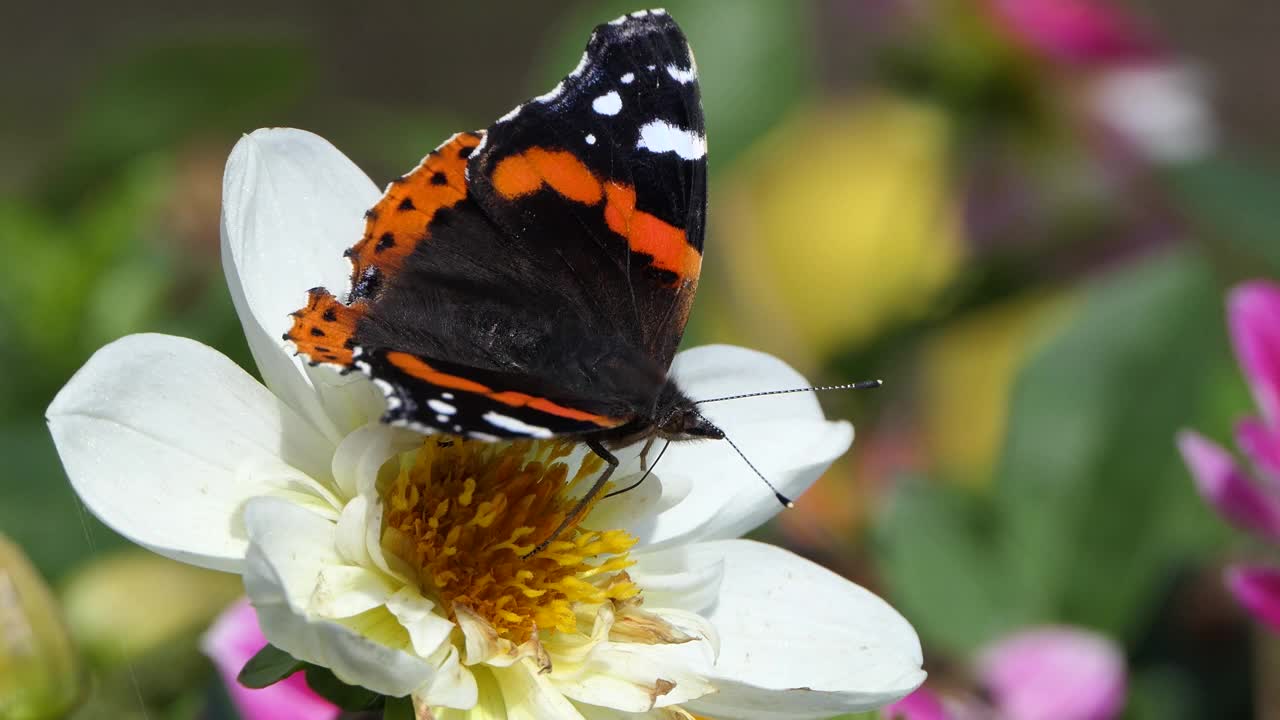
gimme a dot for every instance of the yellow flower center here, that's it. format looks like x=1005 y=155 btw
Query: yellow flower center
x=463 y=514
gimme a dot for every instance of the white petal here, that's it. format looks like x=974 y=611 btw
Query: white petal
x=593 y=712
x=799 y=641
x=671 y=578
x=531 y=695
x=487 y=704
x=455 y=686
x=164 y=439
x=289 y=547
x=665 y=509
x=631 y=677
x=427 y=629
x=364 y=451
x=291 y=203
x=785 y=436
x=343 y=591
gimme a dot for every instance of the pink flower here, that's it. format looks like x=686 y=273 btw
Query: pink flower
x=233 y=639
x=1054 y=673
x=1250 y=501
x=1075 y=32
x=919 y=705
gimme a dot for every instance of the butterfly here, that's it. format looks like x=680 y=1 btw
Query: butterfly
x=534 y=279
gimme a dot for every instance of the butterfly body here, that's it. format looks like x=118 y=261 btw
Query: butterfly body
x=533 y=279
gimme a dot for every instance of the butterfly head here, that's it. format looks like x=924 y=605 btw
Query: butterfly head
x=678 y=418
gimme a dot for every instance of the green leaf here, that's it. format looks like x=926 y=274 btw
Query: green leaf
x=398 y=709
x=937 y=560
x=1233 y=203
x=1098 y=508
x=268 y=667
x=348 y=697
x=1091 y=510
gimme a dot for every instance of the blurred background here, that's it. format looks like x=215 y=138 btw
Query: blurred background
x=1021 y=214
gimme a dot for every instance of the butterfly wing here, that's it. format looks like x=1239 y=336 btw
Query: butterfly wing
x=615 y=157
x=538 y=274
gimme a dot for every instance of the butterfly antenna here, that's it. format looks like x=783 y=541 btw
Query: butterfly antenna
x=783 y=499
x=860 y=385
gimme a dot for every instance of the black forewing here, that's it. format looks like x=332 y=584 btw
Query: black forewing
x=637 y=80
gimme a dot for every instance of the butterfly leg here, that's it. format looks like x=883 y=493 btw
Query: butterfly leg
x=573 y=517
x=644 y=453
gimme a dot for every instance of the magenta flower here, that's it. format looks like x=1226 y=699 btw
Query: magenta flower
x=1075 y=32
x=1250 y=501
x=1054 y=673
x=919 y=705
x=233 y=639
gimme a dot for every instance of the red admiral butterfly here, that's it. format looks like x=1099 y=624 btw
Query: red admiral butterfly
x=534 y=279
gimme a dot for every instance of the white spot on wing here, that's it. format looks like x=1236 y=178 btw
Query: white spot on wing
x=483 y=437
x=639 y=13
x=609 y=103
x=660 y=137
x=447 y=396
x=591 y=139
x=441 y=407
x=516 y=425
x=684 y=76
x=628 y=78
x=658 y=11
x=442 y=418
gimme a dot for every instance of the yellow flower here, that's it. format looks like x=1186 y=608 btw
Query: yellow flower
x=839 y=224
x=967 y=374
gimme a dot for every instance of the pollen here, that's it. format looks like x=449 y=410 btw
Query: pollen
x=463 y=514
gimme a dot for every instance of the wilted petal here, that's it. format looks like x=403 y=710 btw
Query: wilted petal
x=1223 y=484
x=786 y=436
x=291 y=203
x=1055 y=674
x=230 y=643
x=919 y=705
x=799 y=641
x=1258 y=590
x=1253 y=313
x=164 y=439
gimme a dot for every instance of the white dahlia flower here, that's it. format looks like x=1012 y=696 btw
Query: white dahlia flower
x=394 y=559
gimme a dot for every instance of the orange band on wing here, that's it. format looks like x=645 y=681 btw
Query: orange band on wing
x=415 y=367
x=525 y=173
x=418 y=368
x=518 y=399
x=649 y=234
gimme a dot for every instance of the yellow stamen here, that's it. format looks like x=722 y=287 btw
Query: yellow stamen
x=463 y=513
